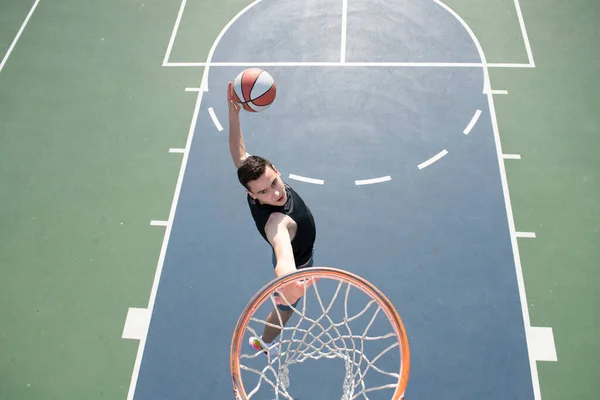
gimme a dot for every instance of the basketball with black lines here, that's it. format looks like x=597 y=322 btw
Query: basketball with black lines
x=254 y=89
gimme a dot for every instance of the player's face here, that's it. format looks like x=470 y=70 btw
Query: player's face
x=268 y=189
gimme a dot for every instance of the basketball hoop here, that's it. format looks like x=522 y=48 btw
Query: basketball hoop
x=325 y=330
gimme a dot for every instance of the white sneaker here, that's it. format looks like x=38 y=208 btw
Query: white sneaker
x=271 y=352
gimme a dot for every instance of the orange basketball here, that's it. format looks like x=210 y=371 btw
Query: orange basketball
x=255 y=89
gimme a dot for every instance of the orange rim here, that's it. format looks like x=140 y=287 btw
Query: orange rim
x=319 y=272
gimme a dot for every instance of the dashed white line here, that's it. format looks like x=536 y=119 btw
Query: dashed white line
x=472 y=123
x=307 y=180
x=158 y=223
x=214 y=118
x=529 y=235
x=433 y=159
x=373 y=181
x=511 y=156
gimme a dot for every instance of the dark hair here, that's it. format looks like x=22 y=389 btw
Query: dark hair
x=251 y=169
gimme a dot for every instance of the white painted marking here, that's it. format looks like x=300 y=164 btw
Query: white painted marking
x=16 y=39
x=174 y=33
x=296 y=64
x=537 y=394
x=499 y=91
x=373 y=181
x=159 y=223
x=176 y=150
x=193 y=89
x=136 y=324
x=165 y=243
x=344 y=29
x=214 y=118
x=433 y=159
x=472 y=123
x=524 y=32
x=511 y=156
x=540 y=341
x=307 y=180
x=529 y=235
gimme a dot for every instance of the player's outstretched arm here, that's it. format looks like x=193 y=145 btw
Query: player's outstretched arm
x=279 y=237
x=237 y=147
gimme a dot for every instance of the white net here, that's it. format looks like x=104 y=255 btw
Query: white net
x=335 y=321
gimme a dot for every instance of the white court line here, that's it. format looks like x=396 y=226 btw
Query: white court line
x=193 y=89
x=474 y=120
x=307 y=180
x=174 y=33
x=158 y=223
x=499 y=91
x=326 y=64
x=163 y=250
x=524 y=32
x=344 y=30
x=529 y=235
x=214 y=118
x=298 y=64
x=373 y=181
x=172 y=150
x=433 y=159
x=511 y=156
x=537 y=393
x=14 y=42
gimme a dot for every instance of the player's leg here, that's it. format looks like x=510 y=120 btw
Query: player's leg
x=270 y=333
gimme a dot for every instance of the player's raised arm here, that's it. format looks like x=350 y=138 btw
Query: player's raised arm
x=236 y=139
x=279 y=237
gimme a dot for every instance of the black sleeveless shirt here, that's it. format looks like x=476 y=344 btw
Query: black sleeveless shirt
x=294 y=207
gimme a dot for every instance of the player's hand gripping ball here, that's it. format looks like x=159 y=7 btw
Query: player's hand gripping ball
x=254 y=89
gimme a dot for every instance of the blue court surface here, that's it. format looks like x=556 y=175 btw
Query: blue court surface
x=432 y=234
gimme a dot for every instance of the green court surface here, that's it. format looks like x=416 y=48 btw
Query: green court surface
x=88 y=114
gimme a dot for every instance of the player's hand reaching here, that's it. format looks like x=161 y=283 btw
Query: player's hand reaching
x=234 y=107
x=294 y=290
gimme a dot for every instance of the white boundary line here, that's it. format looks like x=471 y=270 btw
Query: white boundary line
x=373 y=181
x=173 y=150
x=433 y=159
x=511 y=156
x=472 y=123
x=392 y=64
x=307 y=180
x=509 y=213
x=499 y=91
x=16 y=39
x=524 y=32
x=537 y=394
x=214 y=118
x=163 y=249
x=344 y=30
x=165 y=243
x=174 y=33
x=193 y=89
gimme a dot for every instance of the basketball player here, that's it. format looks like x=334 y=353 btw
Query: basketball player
x=281 y=217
